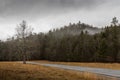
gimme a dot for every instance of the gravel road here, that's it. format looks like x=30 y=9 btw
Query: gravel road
x=101 y=71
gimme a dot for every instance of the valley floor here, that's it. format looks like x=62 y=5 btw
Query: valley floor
x=19 y=71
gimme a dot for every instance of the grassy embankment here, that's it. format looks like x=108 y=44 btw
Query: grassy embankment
x=19 y=71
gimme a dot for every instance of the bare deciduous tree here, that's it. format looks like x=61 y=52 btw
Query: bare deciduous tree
x=23 y=31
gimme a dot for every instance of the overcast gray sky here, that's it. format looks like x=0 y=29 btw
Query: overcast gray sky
x=44 y=15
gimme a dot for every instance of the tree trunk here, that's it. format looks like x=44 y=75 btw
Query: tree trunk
x=24 y=59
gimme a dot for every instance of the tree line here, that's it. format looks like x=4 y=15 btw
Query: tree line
x=69 y=43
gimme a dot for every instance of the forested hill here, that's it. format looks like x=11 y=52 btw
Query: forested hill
x=69 y=43
x=75 y=29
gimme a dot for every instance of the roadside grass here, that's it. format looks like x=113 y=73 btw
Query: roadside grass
x=19 y=71
x=114 y=66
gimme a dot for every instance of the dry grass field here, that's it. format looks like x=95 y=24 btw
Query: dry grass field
x=19 y=71
x=115 y=66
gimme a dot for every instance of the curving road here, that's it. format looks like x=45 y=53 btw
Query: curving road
x=101 y=71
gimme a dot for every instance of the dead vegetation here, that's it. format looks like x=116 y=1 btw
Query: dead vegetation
x=18 y=71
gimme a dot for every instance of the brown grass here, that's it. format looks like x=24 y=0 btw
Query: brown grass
x=115 y=66
x=18 y=71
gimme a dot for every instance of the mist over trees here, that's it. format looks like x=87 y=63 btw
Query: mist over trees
x=78 y=42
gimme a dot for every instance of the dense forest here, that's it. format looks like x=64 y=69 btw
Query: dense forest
x=78 y=42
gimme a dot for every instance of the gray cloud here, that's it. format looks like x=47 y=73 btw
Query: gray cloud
x=15 y=7
x=46 y=14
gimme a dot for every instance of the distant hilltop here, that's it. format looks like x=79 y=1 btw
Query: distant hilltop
x=75 y=29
